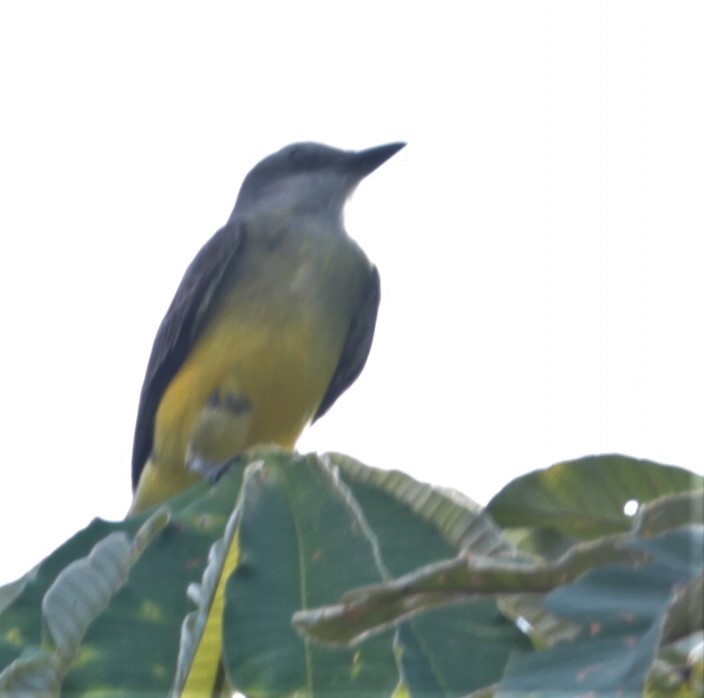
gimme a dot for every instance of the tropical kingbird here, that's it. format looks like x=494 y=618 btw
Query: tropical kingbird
x=272 y=322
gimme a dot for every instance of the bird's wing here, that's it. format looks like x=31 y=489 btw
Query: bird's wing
x=357 y=345
x=180 y=328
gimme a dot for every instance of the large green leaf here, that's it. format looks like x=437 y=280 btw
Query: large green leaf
x=303 y=541
x=131 y=645
x=584 y=498
x=21 y=619
x=72 y=603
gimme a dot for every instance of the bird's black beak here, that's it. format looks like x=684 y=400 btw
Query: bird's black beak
x=366 y=161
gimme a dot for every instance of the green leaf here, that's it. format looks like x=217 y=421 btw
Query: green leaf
x=132 y=644
x=73 y=602
x=303 y=540
x=585 y=498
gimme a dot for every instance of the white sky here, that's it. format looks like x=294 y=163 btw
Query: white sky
x=539 y=240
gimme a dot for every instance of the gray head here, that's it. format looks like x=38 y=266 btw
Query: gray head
x=308 y=178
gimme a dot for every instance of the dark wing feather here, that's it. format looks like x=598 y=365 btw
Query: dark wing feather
x=357 y=345
x=179 y=329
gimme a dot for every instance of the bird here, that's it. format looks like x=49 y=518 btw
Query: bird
x=272 y=321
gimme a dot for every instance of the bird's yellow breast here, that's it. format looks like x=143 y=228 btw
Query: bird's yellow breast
x=282 y=366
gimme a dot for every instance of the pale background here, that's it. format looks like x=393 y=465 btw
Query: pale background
x=538 y=240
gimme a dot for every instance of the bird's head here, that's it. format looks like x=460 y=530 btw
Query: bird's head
x=309 y=178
